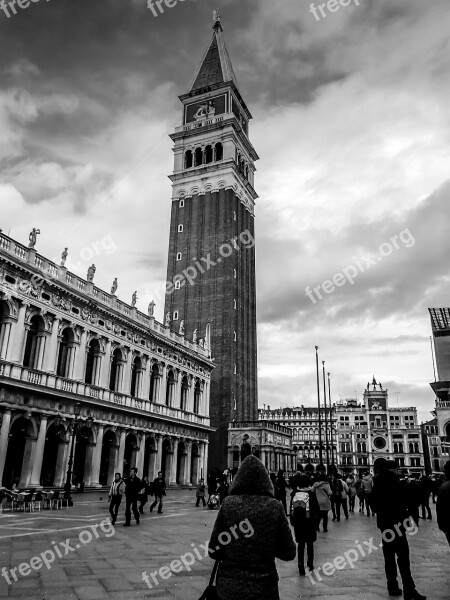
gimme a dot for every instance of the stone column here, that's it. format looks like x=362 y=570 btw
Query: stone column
x=163 y=386
x=176 y=400
x=127 y=374
x=89 y=463
x=5 y=337
x=38 y=454
x=97 y=457
x=27 y=463
x=4 y=433
x=121 y=453
x=61 y=464
x=146 y=380
x=40 y=351
x=141 y=456
x=158 y=462
x=263 y=457
x=18 y=337
x=80 y=363
x=205 y=461
x=173 y=467
x=188 y=463
x=52 y=353
x=106 y=366
x=71 y=354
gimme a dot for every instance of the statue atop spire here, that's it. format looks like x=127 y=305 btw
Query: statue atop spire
x=216 y=18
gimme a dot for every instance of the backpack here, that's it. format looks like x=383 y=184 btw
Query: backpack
x=300 y=502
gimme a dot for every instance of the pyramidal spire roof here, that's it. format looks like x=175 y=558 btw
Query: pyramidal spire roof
x=215 y=66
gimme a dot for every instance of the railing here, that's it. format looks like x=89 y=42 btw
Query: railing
x=56 y=272
x=442 y=403
x=55 y=382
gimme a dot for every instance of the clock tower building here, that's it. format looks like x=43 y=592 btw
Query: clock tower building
x=211 y=292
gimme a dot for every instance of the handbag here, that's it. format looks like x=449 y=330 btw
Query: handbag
x=211 y=591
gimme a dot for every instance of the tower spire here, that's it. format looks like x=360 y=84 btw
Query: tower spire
x=216 y=19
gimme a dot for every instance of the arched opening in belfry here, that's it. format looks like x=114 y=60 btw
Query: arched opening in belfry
x=188 y=159
x=218 y=151
x=208 y=154
x=198 y=157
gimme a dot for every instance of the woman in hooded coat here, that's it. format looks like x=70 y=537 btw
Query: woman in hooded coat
x=258 y=532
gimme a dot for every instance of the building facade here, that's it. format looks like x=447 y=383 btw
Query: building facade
x=440 y=324
x=435 y=455
x=211 y=259
x=142 y=390
x=267 y=440
x=372 y=429
x=304 y=424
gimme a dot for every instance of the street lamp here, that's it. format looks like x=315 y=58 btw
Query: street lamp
x=68 y=485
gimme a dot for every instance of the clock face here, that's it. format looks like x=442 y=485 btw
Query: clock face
x=212 y=106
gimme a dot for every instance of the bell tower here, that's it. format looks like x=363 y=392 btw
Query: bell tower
x=211 y=261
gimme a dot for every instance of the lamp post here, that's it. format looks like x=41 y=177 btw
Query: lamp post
x=327 y=448
x=318 y=408
x=331 y=422
x=68 y=485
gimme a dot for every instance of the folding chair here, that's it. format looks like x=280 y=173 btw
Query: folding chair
x=37 y=499
x=56 y=500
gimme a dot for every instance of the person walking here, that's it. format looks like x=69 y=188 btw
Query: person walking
x=351 y=484
x=304 y=510
x=443 y=504
x=390 y=504
x=336 y=496
x=115 y=496
x=426 y=489
x=247 y=561
x=159 y=490
x=367 y=485
x=360 y=493
x=200 y=493
x=143 y=494
x=323 y=493
x=282 y=485
x=344 y=497
x=133 y=486
x=414 y=498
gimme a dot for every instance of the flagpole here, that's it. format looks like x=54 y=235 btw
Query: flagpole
x=318 y=407
x=327 y=448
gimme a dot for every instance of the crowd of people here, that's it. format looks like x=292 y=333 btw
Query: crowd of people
x=247 y=567
x=136 y=491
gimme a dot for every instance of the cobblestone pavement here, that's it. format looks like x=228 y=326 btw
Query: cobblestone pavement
x=111 y=566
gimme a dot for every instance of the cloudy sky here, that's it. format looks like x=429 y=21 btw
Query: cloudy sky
x=352 y=124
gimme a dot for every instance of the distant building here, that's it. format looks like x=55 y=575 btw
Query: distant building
x=357 y=433
x=267 y=440
x=304 y=423
x=435 y=456
x=371 y=430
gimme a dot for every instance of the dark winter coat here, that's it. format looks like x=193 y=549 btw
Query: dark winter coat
x=247 y=570
x=159 y=487
x=389 y=500
x=133 y=485
x=443 y=507
x=305 y=528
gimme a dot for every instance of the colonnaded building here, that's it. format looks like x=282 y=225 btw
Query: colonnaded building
x=76 y=361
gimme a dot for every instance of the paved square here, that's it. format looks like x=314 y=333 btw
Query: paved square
x=111 y=566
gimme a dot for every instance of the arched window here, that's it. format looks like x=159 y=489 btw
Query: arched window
x=208 y=154
x=33 y=342
x=136 y=370
x=416 y=448
x=65 y=349
x=116 y=364
x=411 y=448
x=92 y=362
x=218 y=151
x=154 y=384
x=246 y=171
x=188 y=158
x=184 y=393
x=170 y=387
x=198 y=157
x=197 y=397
